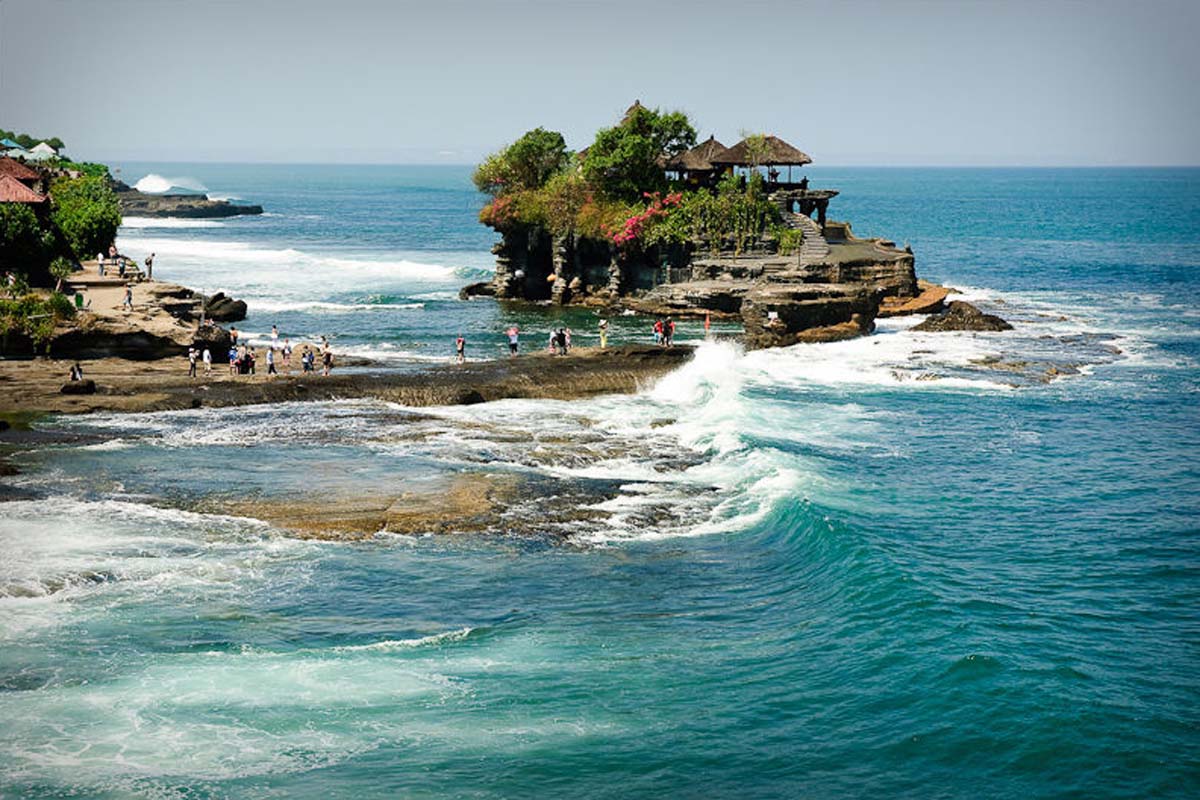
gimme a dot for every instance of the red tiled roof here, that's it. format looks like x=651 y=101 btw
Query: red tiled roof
x=15 y=169
x=13 y=191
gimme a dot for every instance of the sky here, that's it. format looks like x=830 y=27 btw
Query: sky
x=447 y=81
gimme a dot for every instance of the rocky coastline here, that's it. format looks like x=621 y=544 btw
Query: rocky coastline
x=186 y=206
x=35 y=386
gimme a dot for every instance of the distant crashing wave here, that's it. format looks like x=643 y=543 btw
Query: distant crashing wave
x=157 y=184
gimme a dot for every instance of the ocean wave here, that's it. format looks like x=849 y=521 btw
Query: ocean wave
x=168 y=222
x=405 y=644
x=278 y=264
x=153 y=183
x=318 y=305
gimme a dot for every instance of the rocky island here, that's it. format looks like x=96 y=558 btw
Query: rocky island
x=188 y=206
x=647 y=219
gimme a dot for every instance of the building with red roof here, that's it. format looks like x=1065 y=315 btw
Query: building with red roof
x=13 y=191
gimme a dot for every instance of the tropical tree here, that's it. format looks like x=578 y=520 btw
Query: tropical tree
x=626 y=161
x=527 y=163
x=85 y=210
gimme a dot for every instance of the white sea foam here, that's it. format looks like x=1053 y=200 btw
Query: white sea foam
x=334 y=308
x=405 y=644
x=154 y=183
x=168 y=222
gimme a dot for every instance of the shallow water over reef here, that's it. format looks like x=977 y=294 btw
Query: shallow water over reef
x=906 y=565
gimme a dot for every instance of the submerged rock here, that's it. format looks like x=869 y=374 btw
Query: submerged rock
x=961 y=316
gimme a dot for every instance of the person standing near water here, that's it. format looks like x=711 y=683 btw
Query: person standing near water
x=603 y=334
x=207 y=357
x=460 y=348
x=328 y=361
x=150 y=267
x=233 y=333
x=513 y=340
x=274 y=336
x=127 y=303
x=271 y=361
x=191 y=362
x=287 y=354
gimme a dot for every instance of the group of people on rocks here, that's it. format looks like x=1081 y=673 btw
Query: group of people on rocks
x=560 y=338
x=664 y=332
x=243 y=356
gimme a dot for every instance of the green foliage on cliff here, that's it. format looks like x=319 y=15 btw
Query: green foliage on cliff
x=734 y=214
x=618 y=191
x=28 y=314
x=626 y=161
x=24 y=245
x=525 y=164
x=86 y=212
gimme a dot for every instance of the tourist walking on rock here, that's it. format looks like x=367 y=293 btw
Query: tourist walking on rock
x=513 y=340
x=233 y=334
x=287 y=355
x=603 y=334
x=127 y=303
x=566 y=340
x=250 y=358
x=100 y=264
x=207 y=357
x=150 y=267
x=274 y=336
x=76 y=372
x=328 y=361
x=191 y=362
x=658 y=331
x=233 y=361
x=669 y=332
x=271 y=361
x=460 y=348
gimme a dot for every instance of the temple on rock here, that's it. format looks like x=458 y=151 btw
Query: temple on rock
x=792 y=274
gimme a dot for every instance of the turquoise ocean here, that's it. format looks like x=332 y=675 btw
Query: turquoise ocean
x=910 y=565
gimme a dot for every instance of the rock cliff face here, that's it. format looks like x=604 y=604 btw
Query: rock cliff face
x=783 y=313
x=825 y=289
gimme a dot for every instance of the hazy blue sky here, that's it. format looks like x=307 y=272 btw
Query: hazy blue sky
x=361 y=81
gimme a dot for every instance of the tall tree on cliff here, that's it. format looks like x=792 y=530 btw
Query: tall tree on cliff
x=86 y=211
x=626 y=161
x=527 y=163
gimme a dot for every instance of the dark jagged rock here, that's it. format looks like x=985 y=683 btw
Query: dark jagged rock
x=961 y=316
x=86 y=386
x=221 y=308
x=481 y=289
x=782 y=314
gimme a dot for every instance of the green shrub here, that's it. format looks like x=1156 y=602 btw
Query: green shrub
x=625 y=161
x=33 y=316
x=85 y=210
x=22 y=241
x=525 y=164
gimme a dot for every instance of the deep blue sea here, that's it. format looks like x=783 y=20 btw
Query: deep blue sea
x=916 y=565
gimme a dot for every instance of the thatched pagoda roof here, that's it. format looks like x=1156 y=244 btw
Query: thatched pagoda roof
x=778 y=153
x=699 y=158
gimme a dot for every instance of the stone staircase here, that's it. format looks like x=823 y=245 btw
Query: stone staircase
x=814 y=249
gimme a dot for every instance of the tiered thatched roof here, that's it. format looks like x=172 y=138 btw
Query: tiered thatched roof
x=699 y=158
x=777 y=153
